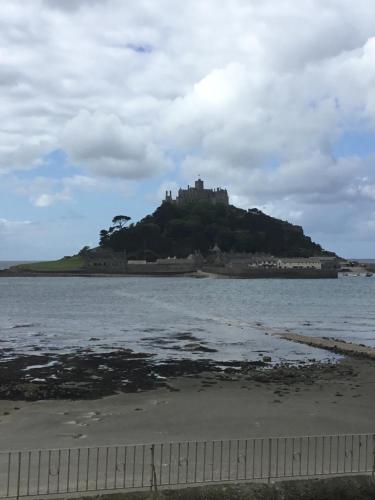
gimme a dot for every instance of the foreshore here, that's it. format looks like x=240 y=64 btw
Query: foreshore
x=194 y=401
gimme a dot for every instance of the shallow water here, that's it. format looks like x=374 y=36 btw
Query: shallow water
x=163 y=315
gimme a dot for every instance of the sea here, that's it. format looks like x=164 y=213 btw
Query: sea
x=237 y=319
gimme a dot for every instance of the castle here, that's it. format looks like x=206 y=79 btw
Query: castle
x=198 y=193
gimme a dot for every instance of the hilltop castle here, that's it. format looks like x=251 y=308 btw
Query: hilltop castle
x=198 y=193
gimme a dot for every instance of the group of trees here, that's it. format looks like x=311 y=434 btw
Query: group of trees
x=180 y=230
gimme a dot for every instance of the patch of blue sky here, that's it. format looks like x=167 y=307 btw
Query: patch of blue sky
x=142 y=48
x=54 y=165
x=355 y=143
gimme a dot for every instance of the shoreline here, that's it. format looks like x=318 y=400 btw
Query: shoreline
x=90 y=374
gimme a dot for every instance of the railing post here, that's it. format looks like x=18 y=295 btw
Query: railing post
x=269 y=459
x=154 y=483
x=373 y=456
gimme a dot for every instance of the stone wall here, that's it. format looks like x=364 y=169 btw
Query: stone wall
x=161 y=269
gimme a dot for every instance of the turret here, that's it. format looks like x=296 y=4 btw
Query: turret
x=168 y=196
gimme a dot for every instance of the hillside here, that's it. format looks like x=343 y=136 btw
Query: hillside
x=174 y=230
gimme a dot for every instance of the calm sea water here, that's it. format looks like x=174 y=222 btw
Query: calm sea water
x=236 y=317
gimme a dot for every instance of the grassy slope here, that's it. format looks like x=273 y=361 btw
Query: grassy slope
x=74 y=263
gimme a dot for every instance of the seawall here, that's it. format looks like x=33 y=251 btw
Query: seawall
x=254 y=273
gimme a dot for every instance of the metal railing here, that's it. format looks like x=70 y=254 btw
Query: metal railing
x=77 y=470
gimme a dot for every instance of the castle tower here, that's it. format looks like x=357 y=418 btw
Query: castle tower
x=168 y=196
x=199 y=184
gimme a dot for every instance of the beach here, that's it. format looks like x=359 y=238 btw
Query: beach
x=336 y=399
x=87 y=362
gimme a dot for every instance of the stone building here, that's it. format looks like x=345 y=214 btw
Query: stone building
x=198 y=193
x=105 y=260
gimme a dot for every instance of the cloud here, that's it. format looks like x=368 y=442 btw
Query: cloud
x=10 y=225
x=106 y=146
x=252 y=95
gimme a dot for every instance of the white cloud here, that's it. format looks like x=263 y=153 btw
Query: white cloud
x=10 y=225
x=252 y=95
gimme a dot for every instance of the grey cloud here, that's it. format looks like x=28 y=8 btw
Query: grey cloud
x=107 y=146
x=71 y=5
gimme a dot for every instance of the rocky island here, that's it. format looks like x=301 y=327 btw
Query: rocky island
x=199 y=233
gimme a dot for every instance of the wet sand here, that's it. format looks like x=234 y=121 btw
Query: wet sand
x=330 y=400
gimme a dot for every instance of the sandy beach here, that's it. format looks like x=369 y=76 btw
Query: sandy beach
x=333 y=399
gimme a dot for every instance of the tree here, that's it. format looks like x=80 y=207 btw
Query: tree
x=104 y=238
x=119 y=222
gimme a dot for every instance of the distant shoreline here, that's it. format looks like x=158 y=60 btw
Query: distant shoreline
x=209 y=273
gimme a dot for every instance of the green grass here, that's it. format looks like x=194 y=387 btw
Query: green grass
x=75 y=263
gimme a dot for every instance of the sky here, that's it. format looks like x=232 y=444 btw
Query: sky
x=105 y=104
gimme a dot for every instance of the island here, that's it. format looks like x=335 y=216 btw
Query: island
x=197 y=233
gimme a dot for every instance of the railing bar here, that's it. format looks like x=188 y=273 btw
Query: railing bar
x=229 y=458
x=143 y=465
x=323 y=454
x=116 y=464
x=300 y=456
x=237 y=457
x=8 y=473
x=170 y=463
x=146 y=444
x=345 y=452
x=58 y=471
x=28 y=473
x=269 y=459
x=68 y=473
x=308 y=456
x=221 y=460
x=285 y=450
x=337 y=454
x=253 y=464
x=19 y=468
x=97 y=468
x=352 y=454
x=330 y=454
x=359 y=453
x=134 y=457
x=187 y=461
x=204 y=460
x=49 y=470
x=161 y=463
x=293 y=452
x=277 y=458
x=87 y=468
x=245 y=462
x=38 y=478
x=315 y=453
x=213 y=460
x=366 y=452
x=78 y=466
x=178 y=463
x=106 y=467
x=124 y=476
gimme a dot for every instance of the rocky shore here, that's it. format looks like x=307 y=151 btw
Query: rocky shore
x=90 y=375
